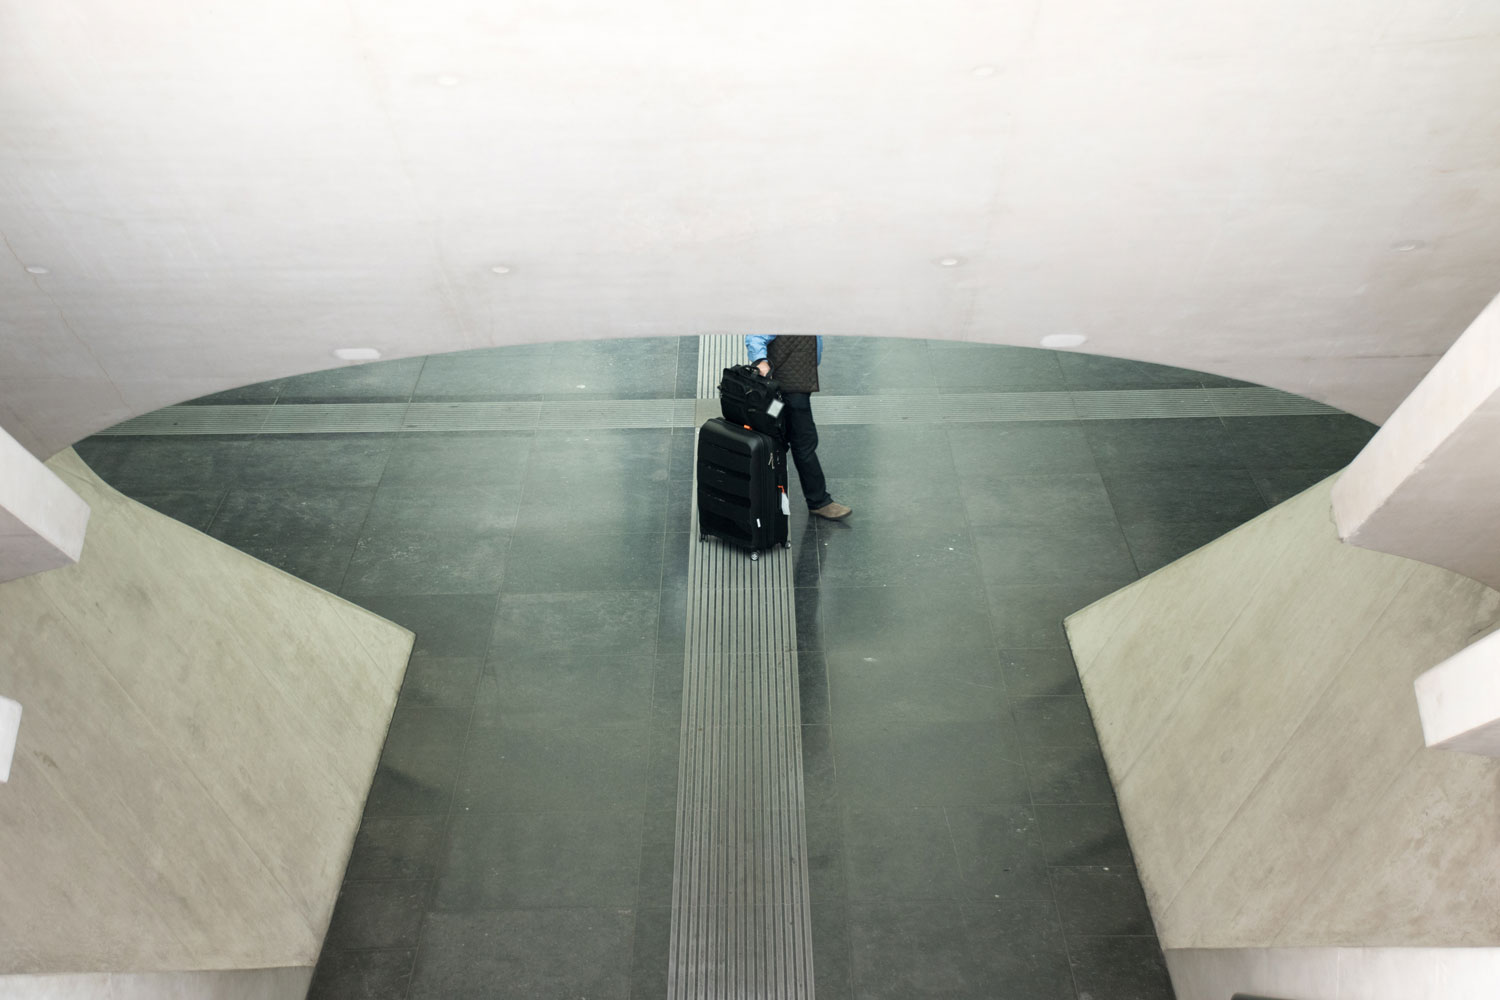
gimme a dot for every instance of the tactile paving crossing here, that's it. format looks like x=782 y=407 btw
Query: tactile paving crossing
x=564 y=414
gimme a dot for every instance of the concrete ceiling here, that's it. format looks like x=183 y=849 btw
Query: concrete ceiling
x=227 y=192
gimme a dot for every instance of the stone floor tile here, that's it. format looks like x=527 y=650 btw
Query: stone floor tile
x=1101 y=901
x=1121 y=968
x=525 y=954
x=362 y=975
x=378 y=915
x=1083 y=835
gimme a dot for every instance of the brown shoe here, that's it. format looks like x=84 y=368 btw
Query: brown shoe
x=833 y=511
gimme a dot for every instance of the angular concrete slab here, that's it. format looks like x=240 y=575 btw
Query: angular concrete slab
x=1460 y=700
x=42 y=522
x=200 y=734
x=1254 y=703
x=1426 y=486
x=10 y=731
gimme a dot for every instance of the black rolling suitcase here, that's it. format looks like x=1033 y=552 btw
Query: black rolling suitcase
x=742 y=487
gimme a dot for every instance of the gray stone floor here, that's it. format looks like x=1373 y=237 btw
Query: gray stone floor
x=517 y=840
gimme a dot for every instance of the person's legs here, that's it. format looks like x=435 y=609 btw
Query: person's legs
x=802 y=441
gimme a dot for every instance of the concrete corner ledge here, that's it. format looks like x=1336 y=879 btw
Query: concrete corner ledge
x=42 y=522
x=1459 y=700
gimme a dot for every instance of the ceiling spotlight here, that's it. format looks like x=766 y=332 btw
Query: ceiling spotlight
x=1063 y=340
x=950 y=262
x=984 y=71
x=448 y=80
x=33 y=269
x=500 y=269
x=356 y=354
x=1407 y=246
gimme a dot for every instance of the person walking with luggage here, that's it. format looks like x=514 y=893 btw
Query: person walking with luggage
x=795 y=361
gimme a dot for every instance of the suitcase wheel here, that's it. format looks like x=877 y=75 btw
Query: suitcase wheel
x=786 y=545
x=755 y=557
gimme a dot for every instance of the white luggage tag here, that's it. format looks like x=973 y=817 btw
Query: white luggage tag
x=773 y=408
x=786 y=505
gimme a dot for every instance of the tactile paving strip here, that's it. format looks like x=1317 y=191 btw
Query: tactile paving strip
x=741 y=919
x=717 y=352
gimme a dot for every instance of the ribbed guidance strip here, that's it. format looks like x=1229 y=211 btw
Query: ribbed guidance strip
x=741 y=916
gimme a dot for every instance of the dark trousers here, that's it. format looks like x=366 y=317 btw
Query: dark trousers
x=802 y=441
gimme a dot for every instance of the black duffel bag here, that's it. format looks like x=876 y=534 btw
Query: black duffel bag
x=753 y=400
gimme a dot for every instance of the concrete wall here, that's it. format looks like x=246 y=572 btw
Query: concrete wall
x=1336 y=973
x=249 y=984
x=197 y=195
x=200 y=731
x=1254 y=702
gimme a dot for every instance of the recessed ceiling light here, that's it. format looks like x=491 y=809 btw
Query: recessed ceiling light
x=984 y=71
x=1407 y=246
x=448 y=80
x=950 y=261
x=500 y=269
x=33 y=269
x=1063 y=340
x=356 y=354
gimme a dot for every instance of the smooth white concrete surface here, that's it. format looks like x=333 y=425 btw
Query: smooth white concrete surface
x=10 y=730
x=201 y=731
x=1336 y=973
x=250 y=984
x=42 y=522
x=1254 y=703
x=1426 y=485
x=1459 y=700
x=220 y=194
